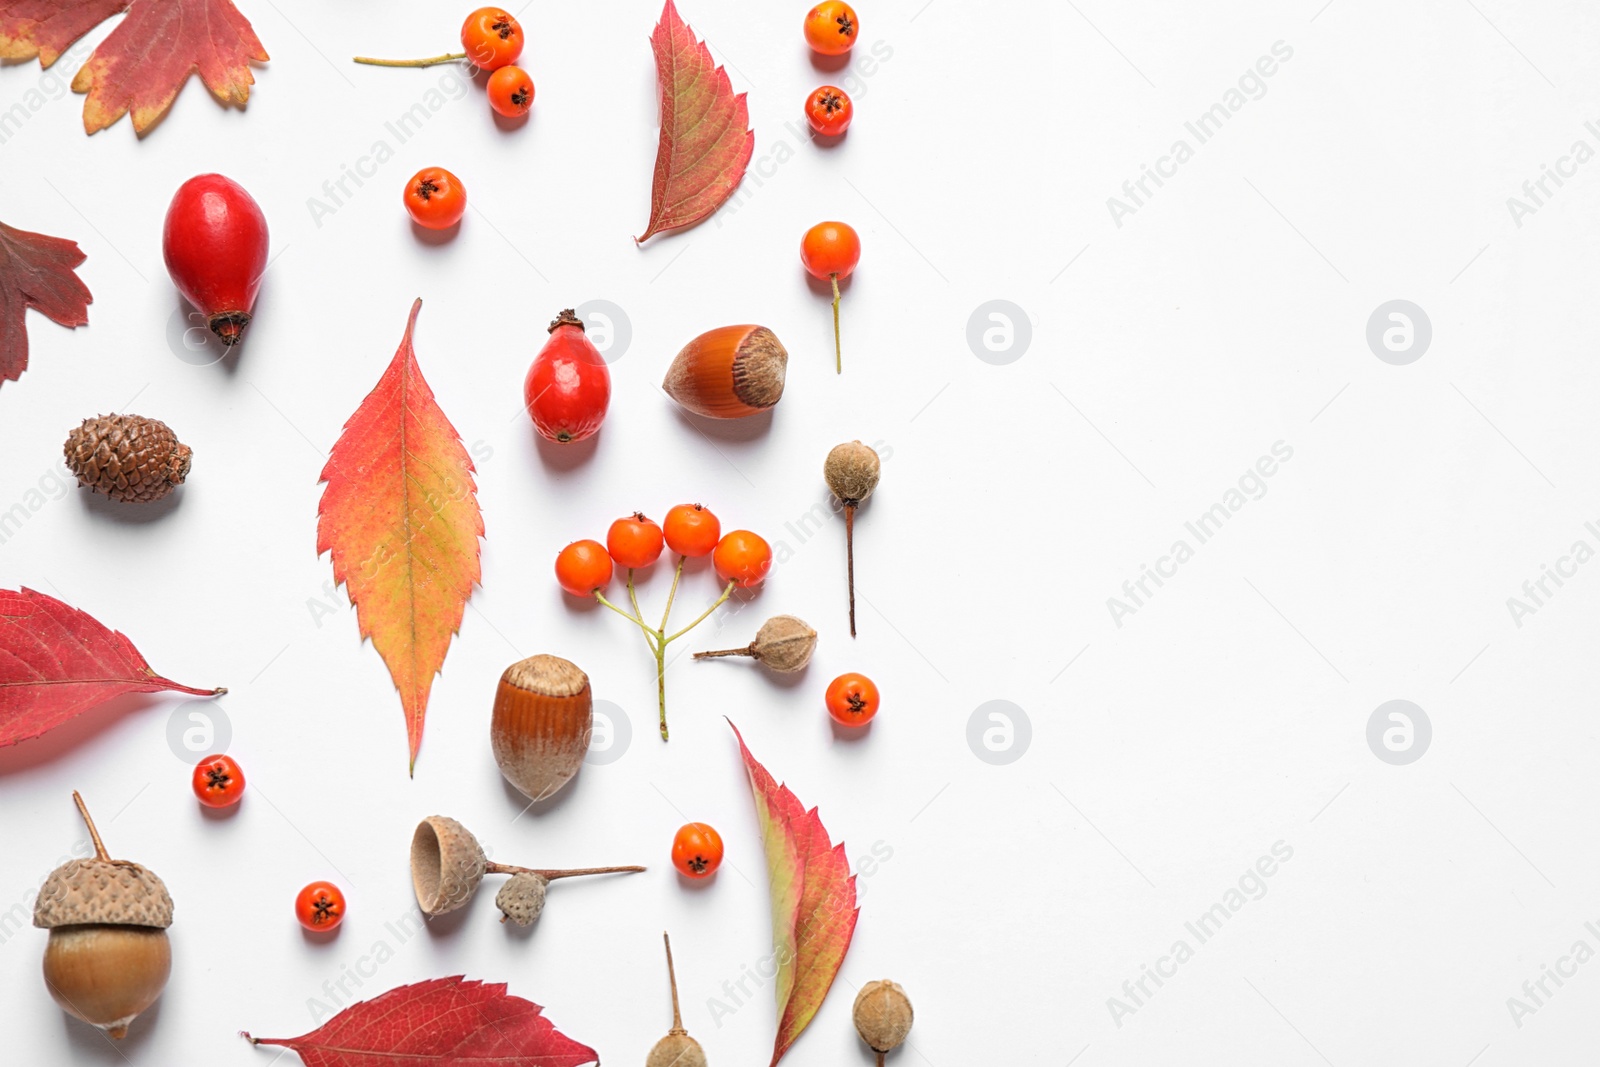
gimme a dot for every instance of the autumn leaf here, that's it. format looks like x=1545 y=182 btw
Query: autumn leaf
x=813 y=900
x=56 y=662
x=400 y=517
x=446 y=1021
x=706 y=141
x=36 y=272
x=146 y=59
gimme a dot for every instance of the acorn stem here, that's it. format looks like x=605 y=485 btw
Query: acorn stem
x=505 y=868
x=748 y=650
x=850 y=558
x=838 y=353
x=94 y=834
x=672 y=980
x=448 y=57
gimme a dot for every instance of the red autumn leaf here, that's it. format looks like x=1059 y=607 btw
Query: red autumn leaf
x=56 y=662
x=400 y=517
x=446 y=1021
x=36 y=272
x=146 y=59
x=706 y=141
x=814 y=908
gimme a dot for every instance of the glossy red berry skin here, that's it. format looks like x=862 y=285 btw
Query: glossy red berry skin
x=829 y=111
x=568 y=388
x=319 y=906
x=215 y=244
x=218 y=782
x=697 y=850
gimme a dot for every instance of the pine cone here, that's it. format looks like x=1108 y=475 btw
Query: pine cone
x=127 y=457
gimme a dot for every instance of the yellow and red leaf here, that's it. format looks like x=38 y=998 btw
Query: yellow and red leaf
x=400 y=518
x=814 y=908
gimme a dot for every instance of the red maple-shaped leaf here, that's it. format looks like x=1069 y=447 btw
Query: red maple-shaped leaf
x=814 y=908
x=56 y=662
x=144 y=62
x=706 y=141
x=400 y=518
x=36 y=272
x=449 y=1022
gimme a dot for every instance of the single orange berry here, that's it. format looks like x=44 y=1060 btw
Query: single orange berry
x=852 y=699
x=697 y=850
x=742 y=558
x=829 y=111
x=831 y=28
x=436 y=198
x=582 y=567
x=634 y=541
x=491 y=38
x=510 y=92
x=218 y=782
x=319 y=906
x=830 y=251
x=692 y=530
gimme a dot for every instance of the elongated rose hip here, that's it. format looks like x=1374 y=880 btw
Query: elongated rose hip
x=215 y=244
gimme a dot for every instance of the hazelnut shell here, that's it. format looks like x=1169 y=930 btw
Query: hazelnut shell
x=729 y=372
x=543 y=715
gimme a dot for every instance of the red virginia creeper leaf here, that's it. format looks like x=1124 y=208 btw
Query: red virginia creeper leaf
x=813 y=900
x=449 y=1022
x=46 y=28
x=36 y=272
x=706 y=141
x=146 y=59
x=56 y=662
x=400 y=516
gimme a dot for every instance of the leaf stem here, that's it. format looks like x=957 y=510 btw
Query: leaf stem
x=431 y=61
x=726 y=593
x=838 y=352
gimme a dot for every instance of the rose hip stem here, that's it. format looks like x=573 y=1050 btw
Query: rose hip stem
x=658 y=639
x=431 y=61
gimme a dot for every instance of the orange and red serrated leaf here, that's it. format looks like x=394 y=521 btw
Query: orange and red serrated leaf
x=814 y=908
x=36 y=272
x=57 y=662
x=144 y=62
x=400 y=518
x=444 y=1021
x=706 y=140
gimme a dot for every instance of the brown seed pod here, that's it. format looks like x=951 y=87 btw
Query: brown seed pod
x=882 y=1016
x=677 y=1049
x=108 y=958
x=729 y=372
x=521 y=899
x=447 y=864
x=127 y=457
x=851 y=471
x=543 y=714
x=784 y=643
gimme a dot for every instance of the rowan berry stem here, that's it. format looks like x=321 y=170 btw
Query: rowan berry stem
x=431 y=61
x=721 y=600
x=672 y=593
x=601 y=597
x=838 y=352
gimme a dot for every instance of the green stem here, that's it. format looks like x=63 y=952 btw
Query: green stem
x=672 y=594
x=448 y=57
x=838 y=352
x=660 y=649
x=723 y=599
x=601 y=597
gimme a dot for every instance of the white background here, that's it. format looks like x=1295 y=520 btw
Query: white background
x=1167 y=355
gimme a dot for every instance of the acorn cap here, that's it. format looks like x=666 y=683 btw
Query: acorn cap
x=851 y=471
x=882 y=1015
x=110 y=892
x=521 y=899
x=447 y=863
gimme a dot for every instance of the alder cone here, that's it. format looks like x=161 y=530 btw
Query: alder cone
x=127 y=457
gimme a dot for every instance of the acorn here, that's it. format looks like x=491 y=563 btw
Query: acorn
x=447 y=865
x=543 y=717
x=108 y=957
x=729 y=372
x=677 y=1049
x=882 y=1016
x=127 y=457
x=851 y=471
x=784 y=643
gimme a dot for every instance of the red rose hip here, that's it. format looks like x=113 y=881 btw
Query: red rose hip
x=215 y=244
x=568 y=388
